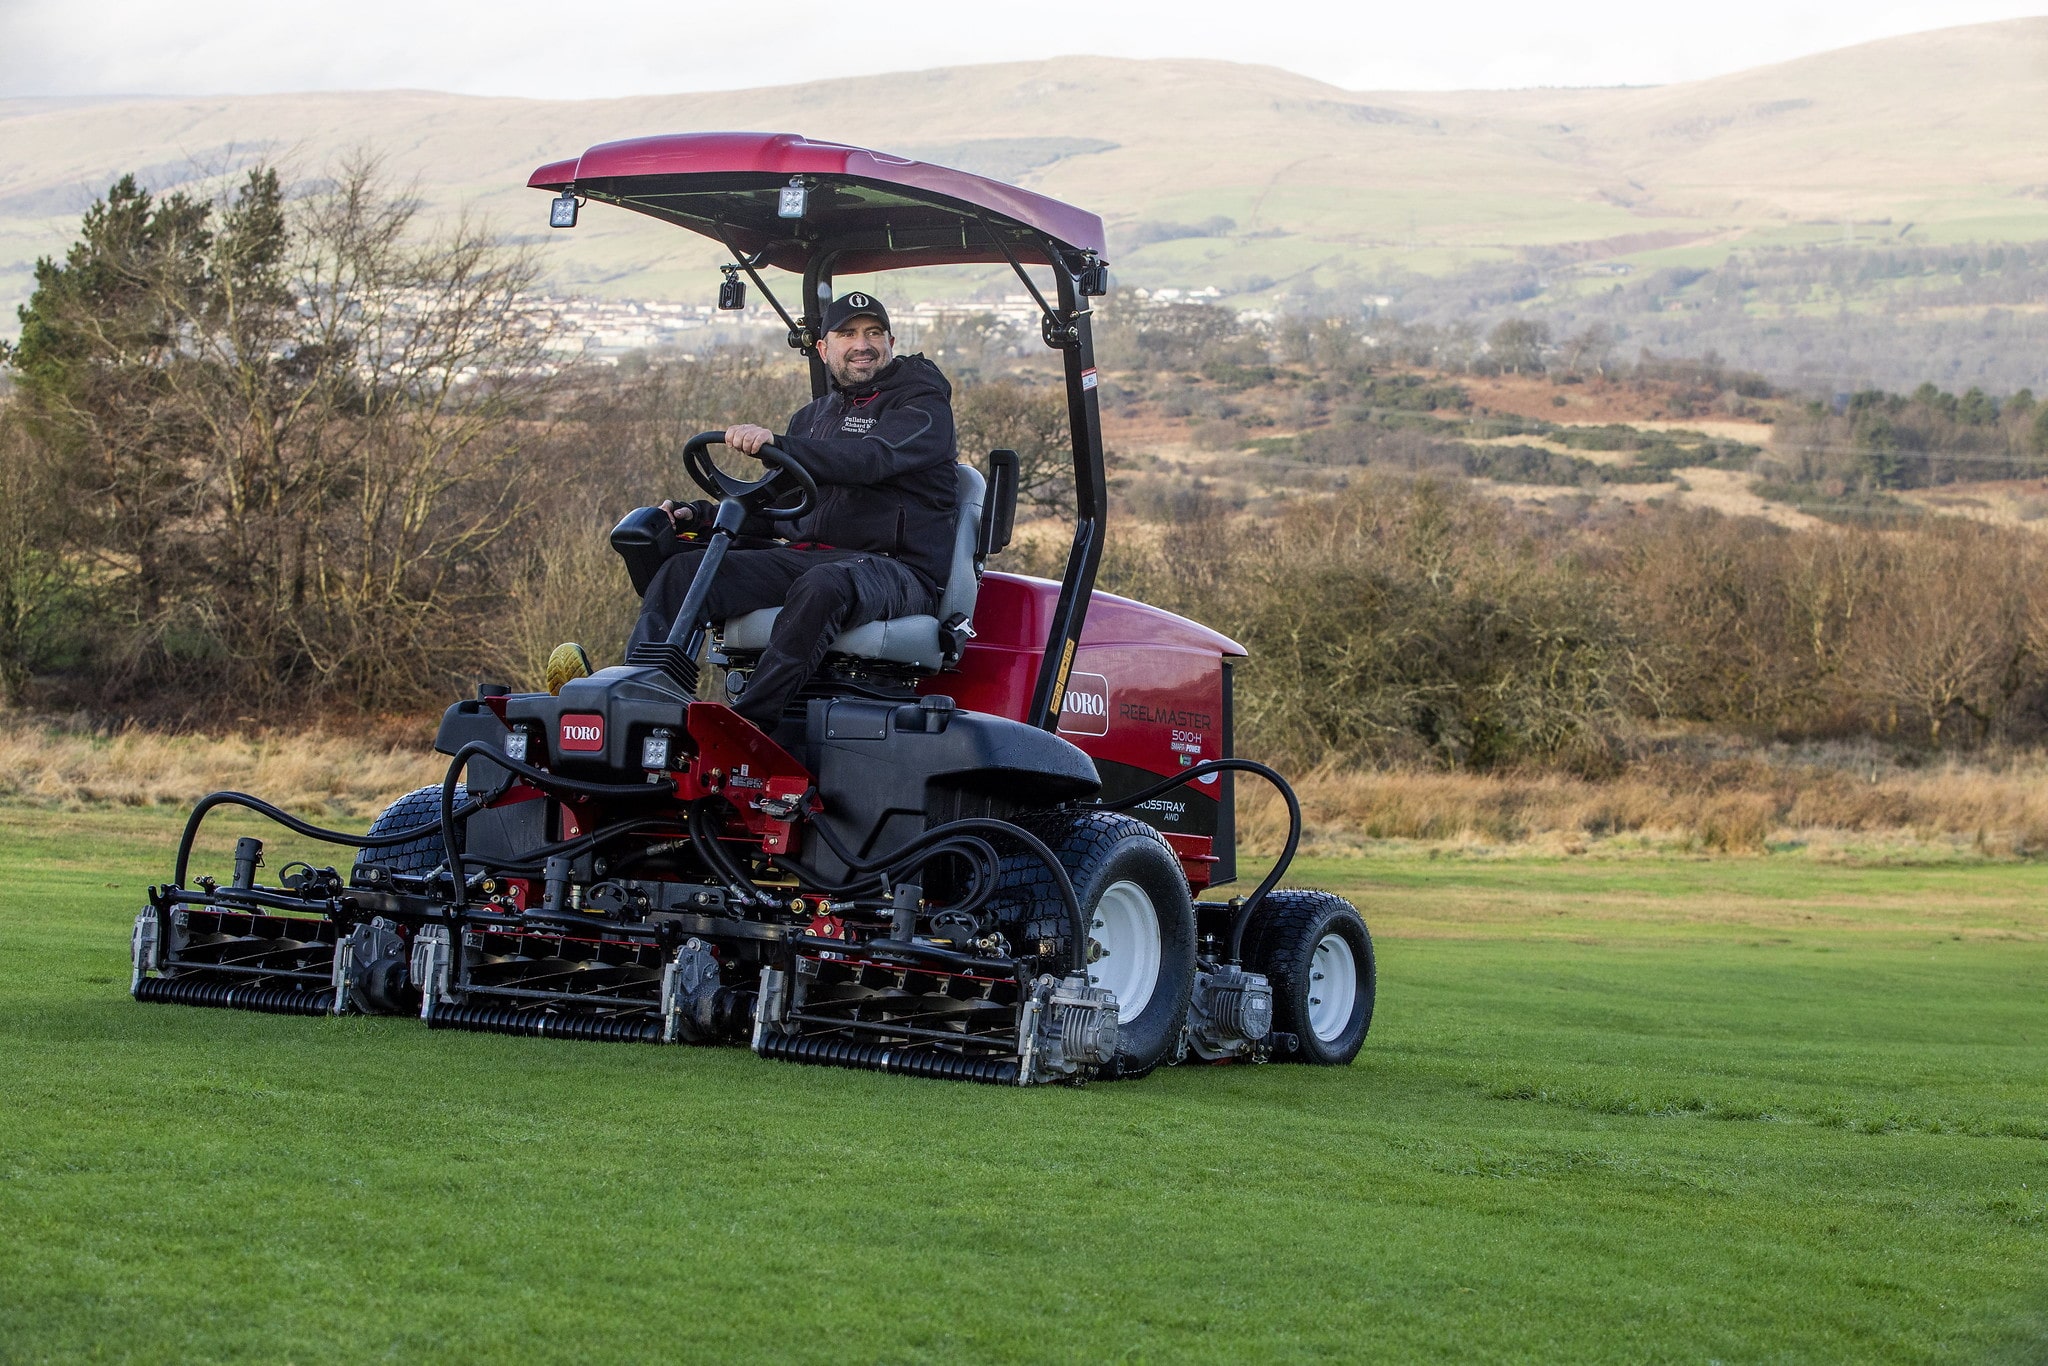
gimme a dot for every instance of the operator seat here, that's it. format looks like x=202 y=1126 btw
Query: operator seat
x=926 y=644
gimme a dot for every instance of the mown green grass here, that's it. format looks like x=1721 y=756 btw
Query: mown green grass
x=1646 y=1109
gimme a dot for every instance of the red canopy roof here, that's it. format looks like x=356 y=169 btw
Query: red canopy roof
x=872 y=210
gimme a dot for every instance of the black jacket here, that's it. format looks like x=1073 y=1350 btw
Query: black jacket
x=883 y=456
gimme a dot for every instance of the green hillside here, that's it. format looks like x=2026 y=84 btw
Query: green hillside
x=1247 y=178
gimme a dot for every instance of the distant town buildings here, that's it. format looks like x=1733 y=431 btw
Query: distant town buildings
x=606 y=330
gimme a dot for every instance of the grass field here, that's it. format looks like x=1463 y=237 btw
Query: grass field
x=1638 y=1109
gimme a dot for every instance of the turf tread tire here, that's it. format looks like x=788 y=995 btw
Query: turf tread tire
x=1280 y=942
x=414 y=857
x=1031 y=913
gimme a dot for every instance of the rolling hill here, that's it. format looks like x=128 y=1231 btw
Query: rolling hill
x=1249 y=178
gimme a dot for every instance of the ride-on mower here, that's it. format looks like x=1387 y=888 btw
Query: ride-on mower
x=971 y=849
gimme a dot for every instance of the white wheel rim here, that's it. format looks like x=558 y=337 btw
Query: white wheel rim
x=1332 y=987
x=1127 y=929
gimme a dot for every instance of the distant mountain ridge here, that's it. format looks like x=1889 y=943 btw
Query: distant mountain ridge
x=1280 y=181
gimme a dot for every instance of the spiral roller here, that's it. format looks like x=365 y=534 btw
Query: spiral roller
x=211 y=991
x=540 y=1024
x=879 y=1057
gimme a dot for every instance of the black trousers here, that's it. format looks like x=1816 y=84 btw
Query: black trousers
x=820 y=592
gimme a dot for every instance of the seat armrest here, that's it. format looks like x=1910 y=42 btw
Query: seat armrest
x=999 y=506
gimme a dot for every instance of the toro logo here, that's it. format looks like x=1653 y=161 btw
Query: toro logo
x=582 y=733
x=1085 y=709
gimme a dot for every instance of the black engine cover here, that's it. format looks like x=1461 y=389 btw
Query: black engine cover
x=887 y=770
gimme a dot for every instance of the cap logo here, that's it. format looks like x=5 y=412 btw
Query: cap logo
x=859 y=300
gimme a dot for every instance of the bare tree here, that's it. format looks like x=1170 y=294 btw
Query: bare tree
x=1587 y=349
x=1517 y=344
x=299 y=435
x=39 y=582
x=1030 y=420
x=1948 y=636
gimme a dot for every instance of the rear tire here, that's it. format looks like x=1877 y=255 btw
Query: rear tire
x=1315 y=950
x=419 y=856
x=1135 y=898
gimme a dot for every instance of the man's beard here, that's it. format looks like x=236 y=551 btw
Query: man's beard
x=846 y=374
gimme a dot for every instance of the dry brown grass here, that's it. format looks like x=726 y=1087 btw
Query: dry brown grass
x=1742 y=805
x=332 y=776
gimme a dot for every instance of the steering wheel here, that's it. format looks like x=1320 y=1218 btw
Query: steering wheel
x=757 y=494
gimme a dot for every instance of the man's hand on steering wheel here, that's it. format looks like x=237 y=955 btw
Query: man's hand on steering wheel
x=748 y=439
x=786 y=478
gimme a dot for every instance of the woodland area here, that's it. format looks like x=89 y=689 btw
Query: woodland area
x=285 y=456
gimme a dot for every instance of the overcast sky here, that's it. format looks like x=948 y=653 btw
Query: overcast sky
x=591 y=48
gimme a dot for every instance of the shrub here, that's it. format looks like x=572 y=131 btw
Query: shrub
x=1400 y=617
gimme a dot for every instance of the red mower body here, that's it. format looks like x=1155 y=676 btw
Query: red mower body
x=1149 y=694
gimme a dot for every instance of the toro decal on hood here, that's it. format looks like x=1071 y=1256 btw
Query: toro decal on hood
x=1085 y=709
x=582 y=733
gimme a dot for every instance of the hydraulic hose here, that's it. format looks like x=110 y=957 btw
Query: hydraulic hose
x=983 y=864
x=1251 y=903
x=533 y=861
x=242 y=898
x=923 y=849
x=539 y=777
x=717 y=857
x=943 y=834
x=977 y=853
x=651 y=851
x=297 y=826
x=980 y=857
x=896 y=950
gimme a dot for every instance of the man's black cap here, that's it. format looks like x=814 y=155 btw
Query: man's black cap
x=855 y=305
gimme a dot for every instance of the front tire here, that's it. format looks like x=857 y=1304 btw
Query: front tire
x=1316 y=952
x=1141 y=924
x=414 y=857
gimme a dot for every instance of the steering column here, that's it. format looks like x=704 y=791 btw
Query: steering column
x=738 y=499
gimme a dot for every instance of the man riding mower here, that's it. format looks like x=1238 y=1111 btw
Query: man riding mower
x=877 y=545
x=979 y=842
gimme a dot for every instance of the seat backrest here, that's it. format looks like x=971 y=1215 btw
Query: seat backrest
x=964 y=582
